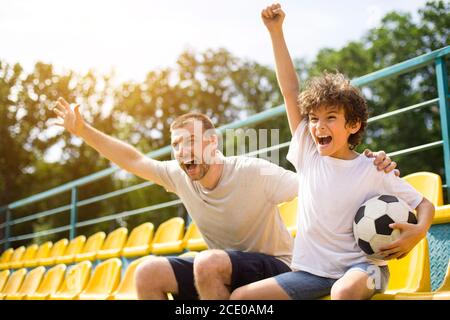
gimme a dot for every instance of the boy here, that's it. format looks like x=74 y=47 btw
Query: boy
x=327 y=121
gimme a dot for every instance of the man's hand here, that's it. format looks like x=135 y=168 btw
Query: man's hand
x=68 y=118
x=273 y=17
x=382 y=161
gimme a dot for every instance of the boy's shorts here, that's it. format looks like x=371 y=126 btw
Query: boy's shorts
x=302 y=285
x=247 y=267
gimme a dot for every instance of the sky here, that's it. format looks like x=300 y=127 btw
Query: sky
x=133 y=37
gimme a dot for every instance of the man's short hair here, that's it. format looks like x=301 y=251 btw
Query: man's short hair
x=335 y=90
x=181 y=121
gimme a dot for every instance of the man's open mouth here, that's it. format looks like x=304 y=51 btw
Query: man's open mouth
x=190 y=165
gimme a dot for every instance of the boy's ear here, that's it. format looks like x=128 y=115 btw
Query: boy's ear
x=354 y=128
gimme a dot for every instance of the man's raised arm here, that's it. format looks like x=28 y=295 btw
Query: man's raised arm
x=119 y=152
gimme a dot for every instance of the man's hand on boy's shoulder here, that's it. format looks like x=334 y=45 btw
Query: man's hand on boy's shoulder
x=382 y=161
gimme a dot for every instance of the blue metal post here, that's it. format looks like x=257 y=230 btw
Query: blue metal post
x=444 y=107
x=73 y=213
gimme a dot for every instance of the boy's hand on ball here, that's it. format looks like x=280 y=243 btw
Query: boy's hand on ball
x=410 y=235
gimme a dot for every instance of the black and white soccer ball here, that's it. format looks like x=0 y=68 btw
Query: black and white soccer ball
x=371 y=223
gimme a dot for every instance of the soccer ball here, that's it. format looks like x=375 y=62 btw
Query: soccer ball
x=371 y=223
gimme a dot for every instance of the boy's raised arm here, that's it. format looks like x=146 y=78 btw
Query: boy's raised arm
x=273 y=17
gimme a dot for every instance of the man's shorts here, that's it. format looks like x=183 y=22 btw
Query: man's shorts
x=247 y=267
x=302 y=285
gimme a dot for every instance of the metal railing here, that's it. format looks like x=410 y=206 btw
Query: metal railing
x=437 y=57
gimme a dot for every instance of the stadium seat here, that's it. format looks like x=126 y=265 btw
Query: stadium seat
x=42 y=252
x=139 y=241
x=92 y=246
x=29 y=285
x=51 y=282
x=442 y=214
x=29 y=254
x=16 y=256
x=428 y=184
x=169 y=237
x=288 y=212
x=3 y=278
x=6 y=256
x=75 y=246
x=14 y=282
x=74 y=283
x=113 y=244
x=193 y=239
x=58 y=249
x=103 y=282
x=127 y=288
x=410 y=274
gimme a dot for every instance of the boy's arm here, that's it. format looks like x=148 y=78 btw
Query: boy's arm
x=273 y=17
x=410 y=234
x=121 y=153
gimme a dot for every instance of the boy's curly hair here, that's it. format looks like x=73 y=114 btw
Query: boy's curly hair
x=335 y=90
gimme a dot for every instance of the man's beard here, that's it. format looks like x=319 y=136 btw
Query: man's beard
x=190 y=168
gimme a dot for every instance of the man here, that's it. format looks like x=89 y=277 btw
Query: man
x=233 y=201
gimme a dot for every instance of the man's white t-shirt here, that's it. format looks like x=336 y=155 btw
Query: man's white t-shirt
x=241 y=212
x=330 y=192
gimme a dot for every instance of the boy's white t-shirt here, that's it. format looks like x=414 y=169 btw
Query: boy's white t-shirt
x=330 y=192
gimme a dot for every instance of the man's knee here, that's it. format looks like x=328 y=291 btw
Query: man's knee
x=238 y=294
x=212 y=263
x=152 y=273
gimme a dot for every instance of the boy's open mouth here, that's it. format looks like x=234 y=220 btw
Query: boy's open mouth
x=324 y=140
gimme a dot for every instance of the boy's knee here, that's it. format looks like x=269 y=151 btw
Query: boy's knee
x=238 y=294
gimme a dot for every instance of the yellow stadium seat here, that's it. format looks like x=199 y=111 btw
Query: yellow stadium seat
x=42 y=252
x=29 y=254
x=29 y=285
x=58 y=249
x=103 y=282
x=442 y=214
x=16 y=257
x=410 y=274
x=288 y=212
x=169 y=237
x=75 y=246
x=50 y=284
x=6 y=255
x=93 y=244
x=428 y=184
x=113 y=244
x=189 y=254
x=139 y=241
x=442 y=293
x=193 y=239
x=127 y=288
x=74 y=283
x=3 y=278
x=14 y=282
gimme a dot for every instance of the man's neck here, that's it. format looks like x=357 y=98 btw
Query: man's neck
x=212 y=178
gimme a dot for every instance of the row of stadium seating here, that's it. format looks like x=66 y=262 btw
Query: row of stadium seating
x=410 y=276
x=170 y=238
